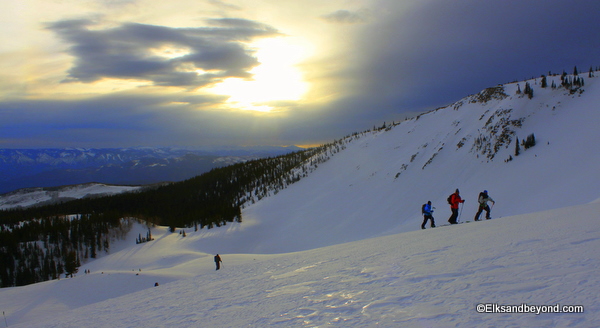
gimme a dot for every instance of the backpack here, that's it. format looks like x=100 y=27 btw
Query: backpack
x=423 y=208
x=482 y=196
x=450 y=199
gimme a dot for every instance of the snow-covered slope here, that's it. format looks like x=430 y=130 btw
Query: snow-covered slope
x=376 y=186
x=430 y=278
x=343 y=247
x=37 y=196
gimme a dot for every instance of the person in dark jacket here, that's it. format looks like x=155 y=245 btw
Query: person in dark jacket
x=454 y=201
x=427 y=211
x=218 y=261
x=483 y=200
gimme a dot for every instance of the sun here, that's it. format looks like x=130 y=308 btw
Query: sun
x=277 y=78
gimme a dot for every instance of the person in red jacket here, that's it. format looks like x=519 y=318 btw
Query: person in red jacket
x=454 y=201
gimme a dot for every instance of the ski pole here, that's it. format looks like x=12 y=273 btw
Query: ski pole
x=460 y=213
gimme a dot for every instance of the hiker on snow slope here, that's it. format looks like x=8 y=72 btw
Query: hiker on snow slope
x=483 y=200
x=218 y=261
x=427 y=211
x=454 y=201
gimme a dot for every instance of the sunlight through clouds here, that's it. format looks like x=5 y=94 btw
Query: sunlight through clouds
x=170 y=52
x=277 y=78
x=230 y=72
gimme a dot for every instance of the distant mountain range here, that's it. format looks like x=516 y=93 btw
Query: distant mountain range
x=29 y=168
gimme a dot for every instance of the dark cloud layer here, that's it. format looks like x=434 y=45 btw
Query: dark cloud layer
x=146 y=119
x=129 y=51
x=439 y=51
x=344 y=16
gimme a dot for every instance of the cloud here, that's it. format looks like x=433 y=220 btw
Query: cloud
x=347 y=17
x=124 y=119
x=145 y=118
x=165 y=56
x=224 y=5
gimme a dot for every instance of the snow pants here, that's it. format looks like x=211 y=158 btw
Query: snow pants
x=454 y=216
x=427 y=217
x=487 y=212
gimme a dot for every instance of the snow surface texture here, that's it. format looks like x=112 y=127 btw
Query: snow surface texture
x=430 y=278
x=343 y=247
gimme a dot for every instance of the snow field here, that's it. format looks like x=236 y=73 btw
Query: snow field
x=431 y=278
x=39 y=195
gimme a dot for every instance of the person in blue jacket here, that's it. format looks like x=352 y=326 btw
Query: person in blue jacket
x=427 y=211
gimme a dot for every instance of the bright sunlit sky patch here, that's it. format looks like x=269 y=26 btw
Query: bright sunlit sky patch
x=276 y=78
x=193 y=73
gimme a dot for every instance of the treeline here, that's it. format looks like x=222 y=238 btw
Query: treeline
x=43 y=249
x=573 y=82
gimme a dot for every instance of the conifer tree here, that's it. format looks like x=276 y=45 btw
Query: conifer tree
x=529 y=142
x=71 y=264
x=528 y=90
x=544 y=81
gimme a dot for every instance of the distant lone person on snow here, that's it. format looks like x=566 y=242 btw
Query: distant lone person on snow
x=483 y=200
x=427 y=211
x=454 y=200
x=218 y=261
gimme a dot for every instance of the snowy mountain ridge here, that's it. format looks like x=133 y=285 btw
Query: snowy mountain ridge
x=32 y=168
x=343 y=246
x=70 y=156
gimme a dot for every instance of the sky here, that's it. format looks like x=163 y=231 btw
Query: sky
x=127 y=73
